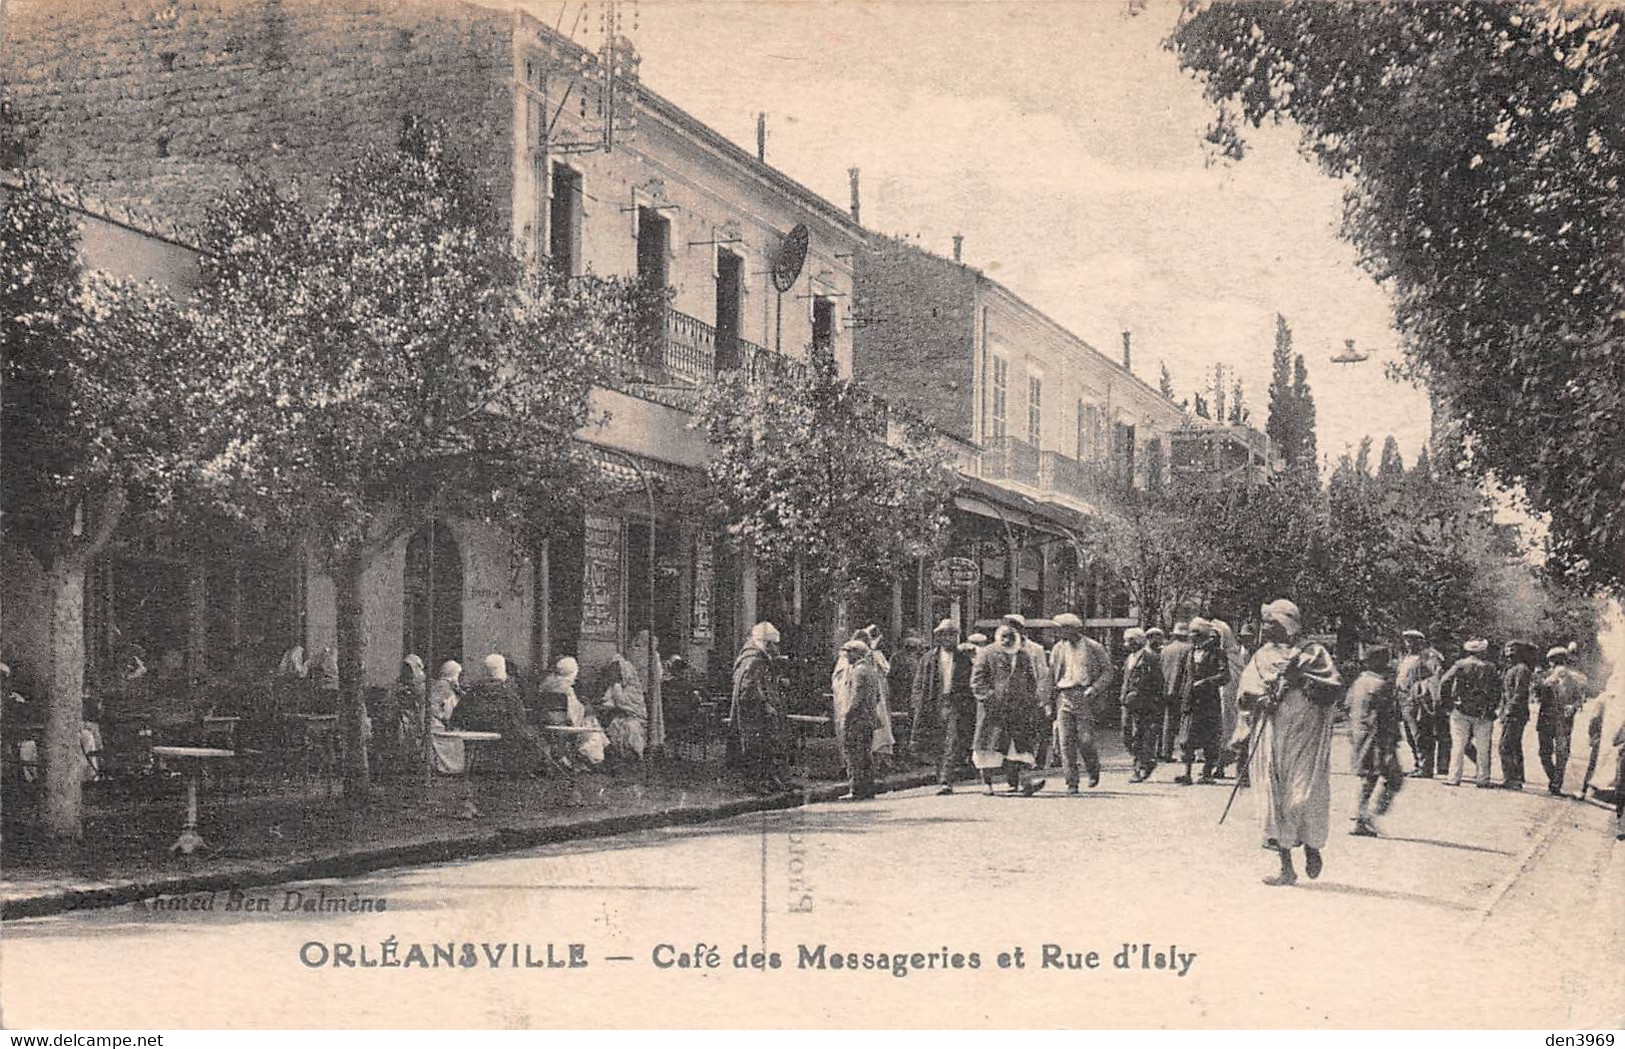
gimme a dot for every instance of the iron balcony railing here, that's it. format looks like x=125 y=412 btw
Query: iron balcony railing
x=684 y=350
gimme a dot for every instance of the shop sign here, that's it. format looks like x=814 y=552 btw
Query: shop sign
x=955 y=574
x=601 y=579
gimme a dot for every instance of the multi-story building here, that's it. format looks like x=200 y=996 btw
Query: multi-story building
x=1205 y=455
x=1048 y=430
x=158 y=106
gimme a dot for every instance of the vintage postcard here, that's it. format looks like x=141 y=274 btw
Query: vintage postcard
x=872 y=514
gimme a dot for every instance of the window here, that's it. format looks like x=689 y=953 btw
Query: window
x=730 y=285
x=823 y=323
x=1080 y=451
x=1001 y=382
x=1124 y=438
x=654 y=242
x=564 y=220
x=1035 y=410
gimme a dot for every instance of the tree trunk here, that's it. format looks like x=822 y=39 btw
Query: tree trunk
x=63 y=755
x=352 y=650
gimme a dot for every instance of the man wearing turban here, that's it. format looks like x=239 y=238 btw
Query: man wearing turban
x=759 y=715
x=1291 y=688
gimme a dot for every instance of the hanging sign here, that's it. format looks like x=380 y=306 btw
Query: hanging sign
x=954 y=574
x=601 y=579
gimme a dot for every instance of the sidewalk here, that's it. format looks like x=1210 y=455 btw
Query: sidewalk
x=264 y=839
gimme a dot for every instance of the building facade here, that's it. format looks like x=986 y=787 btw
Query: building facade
x=1048 y=431
x=157 y=107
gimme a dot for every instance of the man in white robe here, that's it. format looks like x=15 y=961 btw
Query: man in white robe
x=1291 y=687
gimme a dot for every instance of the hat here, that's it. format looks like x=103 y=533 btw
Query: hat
x=764 y=632
x=1414 y=633
x=1182 y=629
x=855 y=646
x=1155 y=631
x=1068 y=619
x=1199 y=626
x=1555 y=652
x=945 y=627
x=1477 y=645
x=977 y=638
x=1133 y=633
x=1014 y=619
x=1285 y=613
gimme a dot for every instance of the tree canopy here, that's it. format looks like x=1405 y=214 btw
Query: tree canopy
x=813 y=468
x=1483 y=150
x=395 y=358
x=95 y=413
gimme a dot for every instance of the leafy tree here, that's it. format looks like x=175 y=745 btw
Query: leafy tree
x=812 y=470
x=1238 y=410
x=1283 y=426
x=1201 y=407
x=1391 y=467
x=1424 y=464
x=1165 y=382
x=1307 y=456
x=95 y=418
x=1362 y=458
x=1484 y=153
x=1156 y=465
x=394 y=358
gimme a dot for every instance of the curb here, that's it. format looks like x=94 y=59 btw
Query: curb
x=256 y=874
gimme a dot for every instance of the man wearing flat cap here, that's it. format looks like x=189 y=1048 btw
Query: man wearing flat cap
x=1561 y=691
x=1516 y=680
x=1471 y=689
x=1082 y=671
x=1374 y=739
x=1141 y=698
x=1417 y=682
x=944 y=707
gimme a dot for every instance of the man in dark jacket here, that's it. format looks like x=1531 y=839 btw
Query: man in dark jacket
x=944 y=707
x=1201 y=713
x=1142 y=703
x=1515 y=682
x=1005 y=681
x=1471 y=688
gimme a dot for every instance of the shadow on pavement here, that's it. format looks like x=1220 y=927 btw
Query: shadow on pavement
x=1447 y=845
x=1384 y=894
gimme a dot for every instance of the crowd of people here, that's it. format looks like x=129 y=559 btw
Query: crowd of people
x=1001 y=708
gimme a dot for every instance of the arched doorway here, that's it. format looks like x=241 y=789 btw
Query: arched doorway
x=433 y=615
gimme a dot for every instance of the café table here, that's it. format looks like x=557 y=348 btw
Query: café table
x=470 y=810
x=192 y=760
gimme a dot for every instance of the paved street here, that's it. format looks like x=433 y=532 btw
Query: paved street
x=1481 y=909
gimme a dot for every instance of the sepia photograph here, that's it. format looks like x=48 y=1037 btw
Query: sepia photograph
x=953 y=515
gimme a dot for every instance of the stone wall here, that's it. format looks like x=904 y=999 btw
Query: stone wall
x=159 y=105
x=917 y=343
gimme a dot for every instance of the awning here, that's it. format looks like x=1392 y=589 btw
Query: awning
x=972 y=505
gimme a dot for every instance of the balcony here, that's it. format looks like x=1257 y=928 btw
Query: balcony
x=1091 y=485
x=684 y=353
x=1011 y=459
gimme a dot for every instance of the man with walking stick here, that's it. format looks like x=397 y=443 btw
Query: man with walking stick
x=1292 y=687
